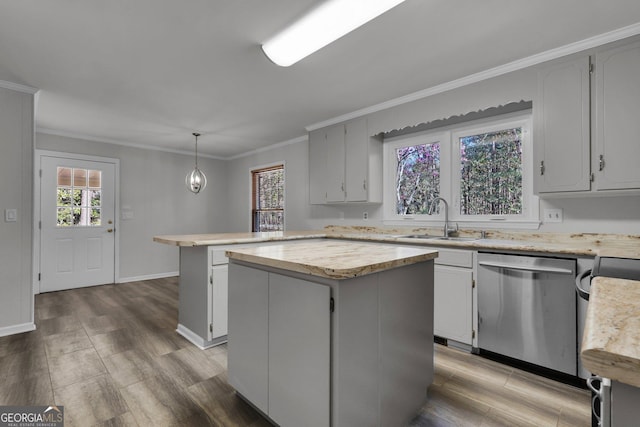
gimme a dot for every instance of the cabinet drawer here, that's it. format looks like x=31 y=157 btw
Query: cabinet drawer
x=218 y=257
x=454 y=257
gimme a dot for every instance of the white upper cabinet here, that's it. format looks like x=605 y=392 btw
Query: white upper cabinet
x=345 y=164
x=562 y=136
x=317 y=167
x=617 y=118
x=336 y=160
x=586 y=123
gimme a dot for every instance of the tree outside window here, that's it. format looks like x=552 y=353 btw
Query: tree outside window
x=417 y=178
x=268 y=199
x=491 y=173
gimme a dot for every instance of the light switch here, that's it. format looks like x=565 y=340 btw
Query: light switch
x=10 y=215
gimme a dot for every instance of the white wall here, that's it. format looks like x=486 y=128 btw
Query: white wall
x=581 y=214
x=152 y=187
x=16 y=190
x=297 y=209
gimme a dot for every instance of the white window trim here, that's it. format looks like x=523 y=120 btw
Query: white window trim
x=450 y=181
x=265 y=166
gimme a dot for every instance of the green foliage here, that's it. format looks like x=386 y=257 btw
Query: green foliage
x=491 y=173
x=78 y=207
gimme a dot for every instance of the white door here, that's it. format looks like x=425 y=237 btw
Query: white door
x=77 y=213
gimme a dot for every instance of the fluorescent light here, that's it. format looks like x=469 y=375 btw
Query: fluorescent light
x=326 y=23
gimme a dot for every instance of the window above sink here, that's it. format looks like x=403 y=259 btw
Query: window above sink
x=482 y=168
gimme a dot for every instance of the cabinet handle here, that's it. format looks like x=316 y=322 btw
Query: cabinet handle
x=541 y=167
x=342 y=187
x=364 y=184
x=601 y=162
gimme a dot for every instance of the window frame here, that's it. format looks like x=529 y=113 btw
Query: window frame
x=253 y=172
x=390 y=168
x=450 y=174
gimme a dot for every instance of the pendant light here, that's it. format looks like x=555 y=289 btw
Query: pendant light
x=196 y=180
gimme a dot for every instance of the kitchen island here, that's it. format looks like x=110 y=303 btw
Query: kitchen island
x=202 y=302
x=332 y=332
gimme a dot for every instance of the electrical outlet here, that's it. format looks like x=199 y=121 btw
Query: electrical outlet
x=552 y=215
x=10 y=215
x=365 y=215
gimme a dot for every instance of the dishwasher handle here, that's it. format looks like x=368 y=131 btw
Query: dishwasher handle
x=584 y=294
x=531 y=268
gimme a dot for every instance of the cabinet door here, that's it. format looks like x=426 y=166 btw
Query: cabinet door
x=219 y=300
x=452 y=303
x=317 y=167
x=562 y=131
x=617 y=106
x=248 y=347
x=335 y=164
x=299 y=352
x=357 y=161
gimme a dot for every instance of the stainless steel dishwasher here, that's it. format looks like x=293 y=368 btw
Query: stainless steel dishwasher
x=527 y=309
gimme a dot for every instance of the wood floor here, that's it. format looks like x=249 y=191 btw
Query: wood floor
x=111 y=356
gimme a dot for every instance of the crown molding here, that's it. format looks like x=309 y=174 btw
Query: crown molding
x=302 y=138
x=519 y=64
x=18 y=87
x=122 y=143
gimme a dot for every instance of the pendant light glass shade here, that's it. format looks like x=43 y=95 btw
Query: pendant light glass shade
x=196 y=180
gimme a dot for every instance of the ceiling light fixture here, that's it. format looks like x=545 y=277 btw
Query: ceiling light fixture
x=322 y=25
x=196 y=180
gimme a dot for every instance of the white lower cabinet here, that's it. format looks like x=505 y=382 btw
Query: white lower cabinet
x=219 y=281
x=248 y=350
x=299 y=351
x=453 y=296
x=279 y=345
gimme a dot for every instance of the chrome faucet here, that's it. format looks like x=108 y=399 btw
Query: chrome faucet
x=447 y=228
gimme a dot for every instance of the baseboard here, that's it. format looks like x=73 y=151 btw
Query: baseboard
x=148 y=277
x=197 y=340
x=17 y=329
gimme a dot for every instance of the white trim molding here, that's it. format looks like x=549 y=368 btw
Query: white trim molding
x=196 y=340
x=17 y=329
x=148 y=277
x=48 y=131
x=18 y=87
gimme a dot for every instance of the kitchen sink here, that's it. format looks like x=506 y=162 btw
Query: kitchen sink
x=450 y=238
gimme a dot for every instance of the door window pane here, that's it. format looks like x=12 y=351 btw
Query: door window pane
x=64 y=177
x=79 y=199
x=95 y=178
x=79 y=177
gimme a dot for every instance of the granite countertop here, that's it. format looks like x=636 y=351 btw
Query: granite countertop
x=334 y=259
x=580 y=244
x=611 y=340
x=214 y=239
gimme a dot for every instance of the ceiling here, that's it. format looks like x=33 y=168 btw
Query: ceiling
x=151 y=72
